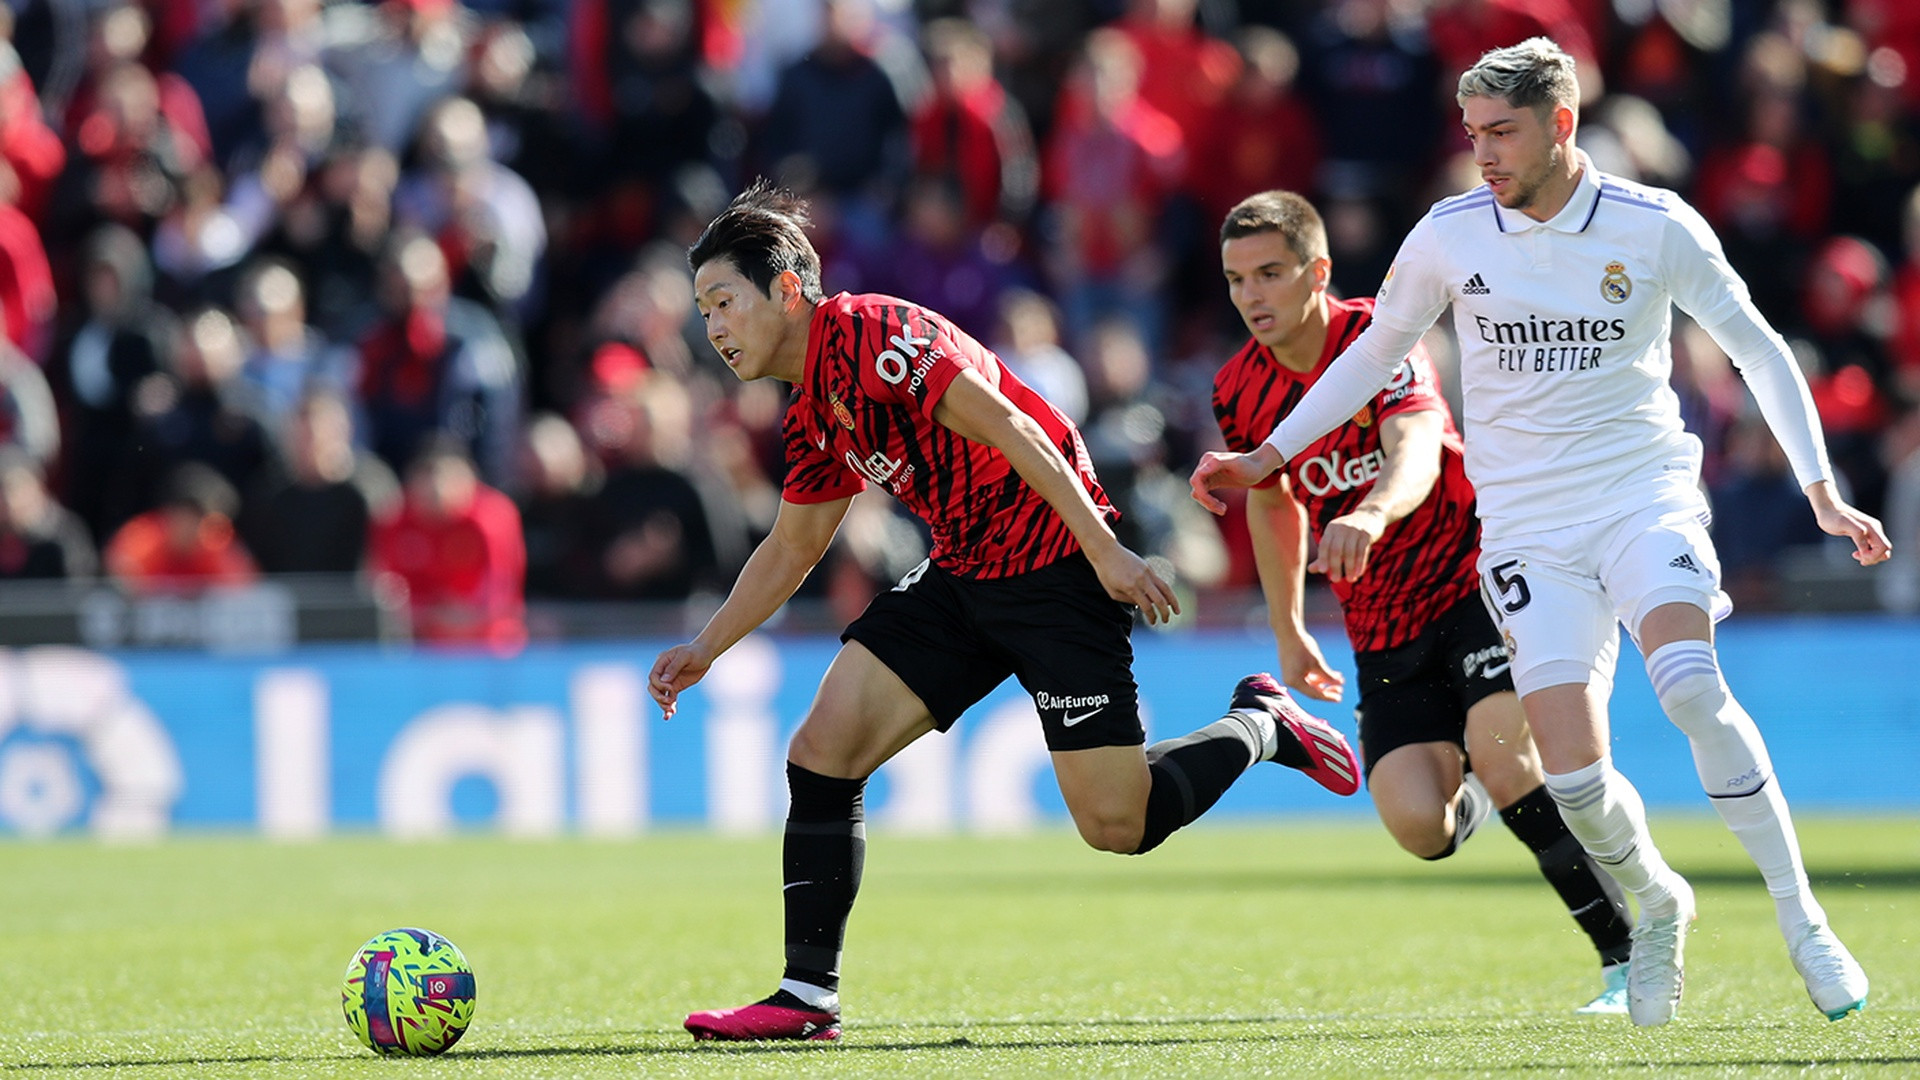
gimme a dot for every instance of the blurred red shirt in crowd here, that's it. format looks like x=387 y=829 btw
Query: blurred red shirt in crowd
x=30 y=149
x=1185 y=73
x=1266 y=138
x=1112 y=159
x=1462 y=30
x=970 y=129
x=455 y=546
x=187 y=544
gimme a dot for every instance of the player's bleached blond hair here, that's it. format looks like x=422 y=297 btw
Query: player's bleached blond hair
x=1535 y=74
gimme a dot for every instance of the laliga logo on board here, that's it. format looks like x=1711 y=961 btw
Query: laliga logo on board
x=67 y=716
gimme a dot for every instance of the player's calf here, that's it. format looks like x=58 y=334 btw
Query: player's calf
x=1190 y=773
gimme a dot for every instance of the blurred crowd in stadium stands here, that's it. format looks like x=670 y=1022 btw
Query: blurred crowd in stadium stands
x=399 y=286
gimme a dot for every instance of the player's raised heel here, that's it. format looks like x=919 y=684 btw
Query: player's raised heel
x=1835 y=981
x=1328 y=759
x=1657 y=971
x=1613 y=994
x=782 y=1016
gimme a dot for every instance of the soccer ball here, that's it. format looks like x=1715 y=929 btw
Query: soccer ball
x=408 y=992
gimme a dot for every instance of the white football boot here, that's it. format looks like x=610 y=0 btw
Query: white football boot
x=1657 y=969
x=1835 y=981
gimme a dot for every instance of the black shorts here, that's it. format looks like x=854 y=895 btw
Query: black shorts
x=952 y=640
x=1420 y=691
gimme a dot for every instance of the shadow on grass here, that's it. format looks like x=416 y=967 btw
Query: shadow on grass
x=900 y=1036
x=1415 y=877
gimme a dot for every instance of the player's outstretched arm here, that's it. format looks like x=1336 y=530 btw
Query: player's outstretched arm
x=1837 y=518
x=1227 y=470
x=1411 y=443
x=801 y=533
x=975 y=410
x=1277 y=525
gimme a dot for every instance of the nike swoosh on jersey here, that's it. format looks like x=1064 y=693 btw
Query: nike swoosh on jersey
x=1493 y=672
x=1069 y=721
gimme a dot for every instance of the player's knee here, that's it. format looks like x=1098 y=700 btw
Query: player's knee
x=1431 y=846
x=1695 y=700
x=1699 y=693
x=1508 y=780
x=809 y=751
x=825 y=750
x=1423 y=834
x=1117 y=839
x=1120 y=835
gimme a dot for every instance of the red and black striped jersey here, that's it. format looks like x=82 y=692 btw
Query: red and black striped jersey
x=863 y=412
x=1424 y=563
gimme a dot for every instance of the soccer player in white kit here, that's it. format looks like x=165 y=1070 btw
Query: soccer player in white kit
x=1562 y=279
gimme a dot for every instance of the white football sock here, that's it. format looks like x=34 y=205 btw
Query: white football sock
x=1731 y=759
x=1256 y=728
x=1604 y=812
x=815 y=996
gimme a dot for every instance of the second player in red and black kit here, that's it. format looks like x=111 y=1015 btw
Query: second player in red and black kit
x=1386 y=498
x=1025 y=580
x=1422 y=564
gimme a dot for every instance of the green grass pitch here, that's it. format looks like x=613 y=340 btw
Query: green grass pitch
x=1307 y=948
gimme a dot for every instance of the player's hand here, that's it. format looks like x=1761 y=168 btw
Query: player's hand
x=1130 y=580
x=1346 y=542
x=1218 y=470
x=674 y=671
x=1303 y=668
x=1836 y=518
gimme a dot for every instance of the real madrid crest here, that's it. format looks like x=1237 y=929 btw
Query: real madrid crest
x=1616 y=286
x=840 y=410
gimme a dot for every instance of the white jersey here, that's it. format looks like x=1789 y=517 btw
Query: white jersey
x=1564 y=329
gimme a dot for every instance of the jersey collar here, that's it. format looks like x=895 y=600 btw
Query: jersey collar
x=1573 y=217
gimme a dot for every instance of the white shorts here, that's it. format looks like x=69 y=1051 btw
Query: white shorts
x=1559 y=596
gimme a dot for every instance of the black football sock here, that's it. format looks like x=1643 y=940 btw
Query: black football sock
x=1190 y=774
x=1592 y=896
x=824 y=852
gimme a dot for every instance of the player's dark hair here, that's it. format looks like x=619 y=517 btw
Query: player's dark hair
x=1535 y=74
x=1284 y=212
x=762 y=232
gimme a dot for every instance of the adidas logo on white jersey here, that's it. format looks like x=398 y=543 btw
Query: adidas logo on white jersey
x=1685 y=562
x=1475 y=287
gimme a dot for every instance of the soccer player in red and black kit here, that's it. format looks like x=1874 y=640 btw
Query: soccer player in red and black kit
x=1025 y=579
x=1387 y=499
